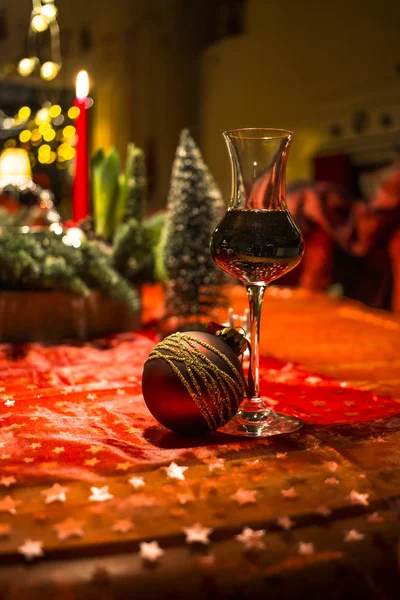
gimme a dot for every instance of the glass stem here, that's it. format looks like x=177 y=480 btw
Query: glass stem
x=255 y=294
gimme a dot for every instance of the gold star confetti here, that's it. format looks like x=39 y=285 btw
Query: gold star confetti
x=243 y=497
x=69 y=528
x=136 y=482
x=56 y=493
x=122 y=526
x=150 y=551
x=91 y=462
x=28 y=459
x=324 y=511
x=35 y=445
x=306 y=548
x=9 y=402
x=121 y=392
x=31 y=549
x=94 y=449
x=281 y=455
x=197 y=534
x=186 y=498
x=5 y=529
x=100 y=494
x=375 y=517
x=312 y=380
x=7 y=481
x=8 y=504
x=59 y=450
x=216 y=464
x=285 y=522
x=358 y=498
x=353 y=536
x=331 y=481
x=289 y=494
x=331 y=465
x=125 y=466
x=252 y=539
x=173 y=471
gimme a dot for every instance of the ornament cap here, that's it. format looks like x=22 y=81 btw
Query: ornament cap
x=235 y=339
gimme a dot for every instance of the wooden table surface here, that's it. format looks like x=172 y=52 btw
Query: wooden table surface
x=343 y=540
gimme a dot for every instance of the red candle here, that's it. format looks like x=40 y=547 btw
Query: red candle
x=80 y=195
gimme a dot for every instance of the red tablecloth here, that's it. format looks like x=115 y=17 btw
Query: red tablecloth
x=76 y=412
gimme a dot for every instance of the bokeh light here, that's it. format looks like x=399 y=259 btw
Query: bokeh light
x=25 y=136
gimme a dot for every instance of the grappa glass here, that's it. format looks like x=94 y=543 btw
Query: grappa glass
x=256 y=242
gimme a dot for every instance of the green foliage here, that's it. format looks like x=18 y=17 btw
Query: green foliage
x=118 y=196
x=105 y=170
x=135 y=248
x=44 y=261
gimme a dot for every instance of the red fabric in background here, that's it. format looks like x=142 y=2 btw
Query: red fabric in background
x=335 y=168
x=76 y=412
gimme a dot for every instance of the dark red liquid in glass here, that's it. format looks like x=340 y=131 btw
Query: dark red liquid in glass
x=257 y=246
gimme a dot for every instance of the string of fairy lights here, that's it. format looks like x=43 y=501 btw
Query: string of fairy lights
x=49 y=136
x=43 y=17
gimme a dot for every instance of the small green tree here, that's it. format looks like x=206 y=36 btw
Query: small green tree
x=194 y=209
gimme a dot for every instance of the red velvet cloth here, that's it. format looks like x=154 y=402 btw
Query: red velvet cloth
x=76 y=412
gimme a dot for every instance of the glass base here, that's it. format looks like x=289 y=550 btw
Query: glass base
x=255 y=419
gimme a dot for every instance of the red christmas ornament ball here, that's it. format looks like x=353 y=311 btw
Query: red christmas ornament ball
x=193 y=382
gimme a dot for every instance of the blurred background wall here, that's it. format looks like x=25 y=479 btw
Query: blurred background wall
x=159 y=65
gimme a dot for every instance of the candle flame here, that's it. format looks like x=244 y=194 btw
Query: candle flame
x=82 y=85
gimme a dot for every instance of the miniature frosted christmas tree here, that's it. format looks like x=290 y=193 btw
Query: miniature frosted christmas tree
x=194 y=207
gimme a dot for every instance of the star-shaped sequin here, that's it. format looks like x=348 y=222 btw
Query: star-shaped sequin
x=306 y=548
x=331 y=465
x=252 y=539
x=69 y=528
x=122 y=526
x=100 y=494
x=313 y=380
x=28 y=459
x=59 y=450
x=8 y=504
x=94 y=449
x=174 y=471
x=358 y=498
x=9 y=402
x=91 y=396
x=136 y=482
x=91 y=462
x=36 y=445
x=375 y=517
x=281 y=455
x=289 y=494
x=216 y=464
x=243 y=497
x=324 y=511
x=285 y=522
x=197 y=534
x=7 y=480
x=121 y=392
x=353 y=536
x=5 y=529
x=124 y=466
x=331 y=481
x=186 y=498
x=31 y=549
x=54 y=494
x=150 y=551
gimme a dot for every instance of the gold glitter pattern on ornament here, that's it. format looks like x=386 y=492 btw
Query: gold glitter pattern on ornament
x=217 y=384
